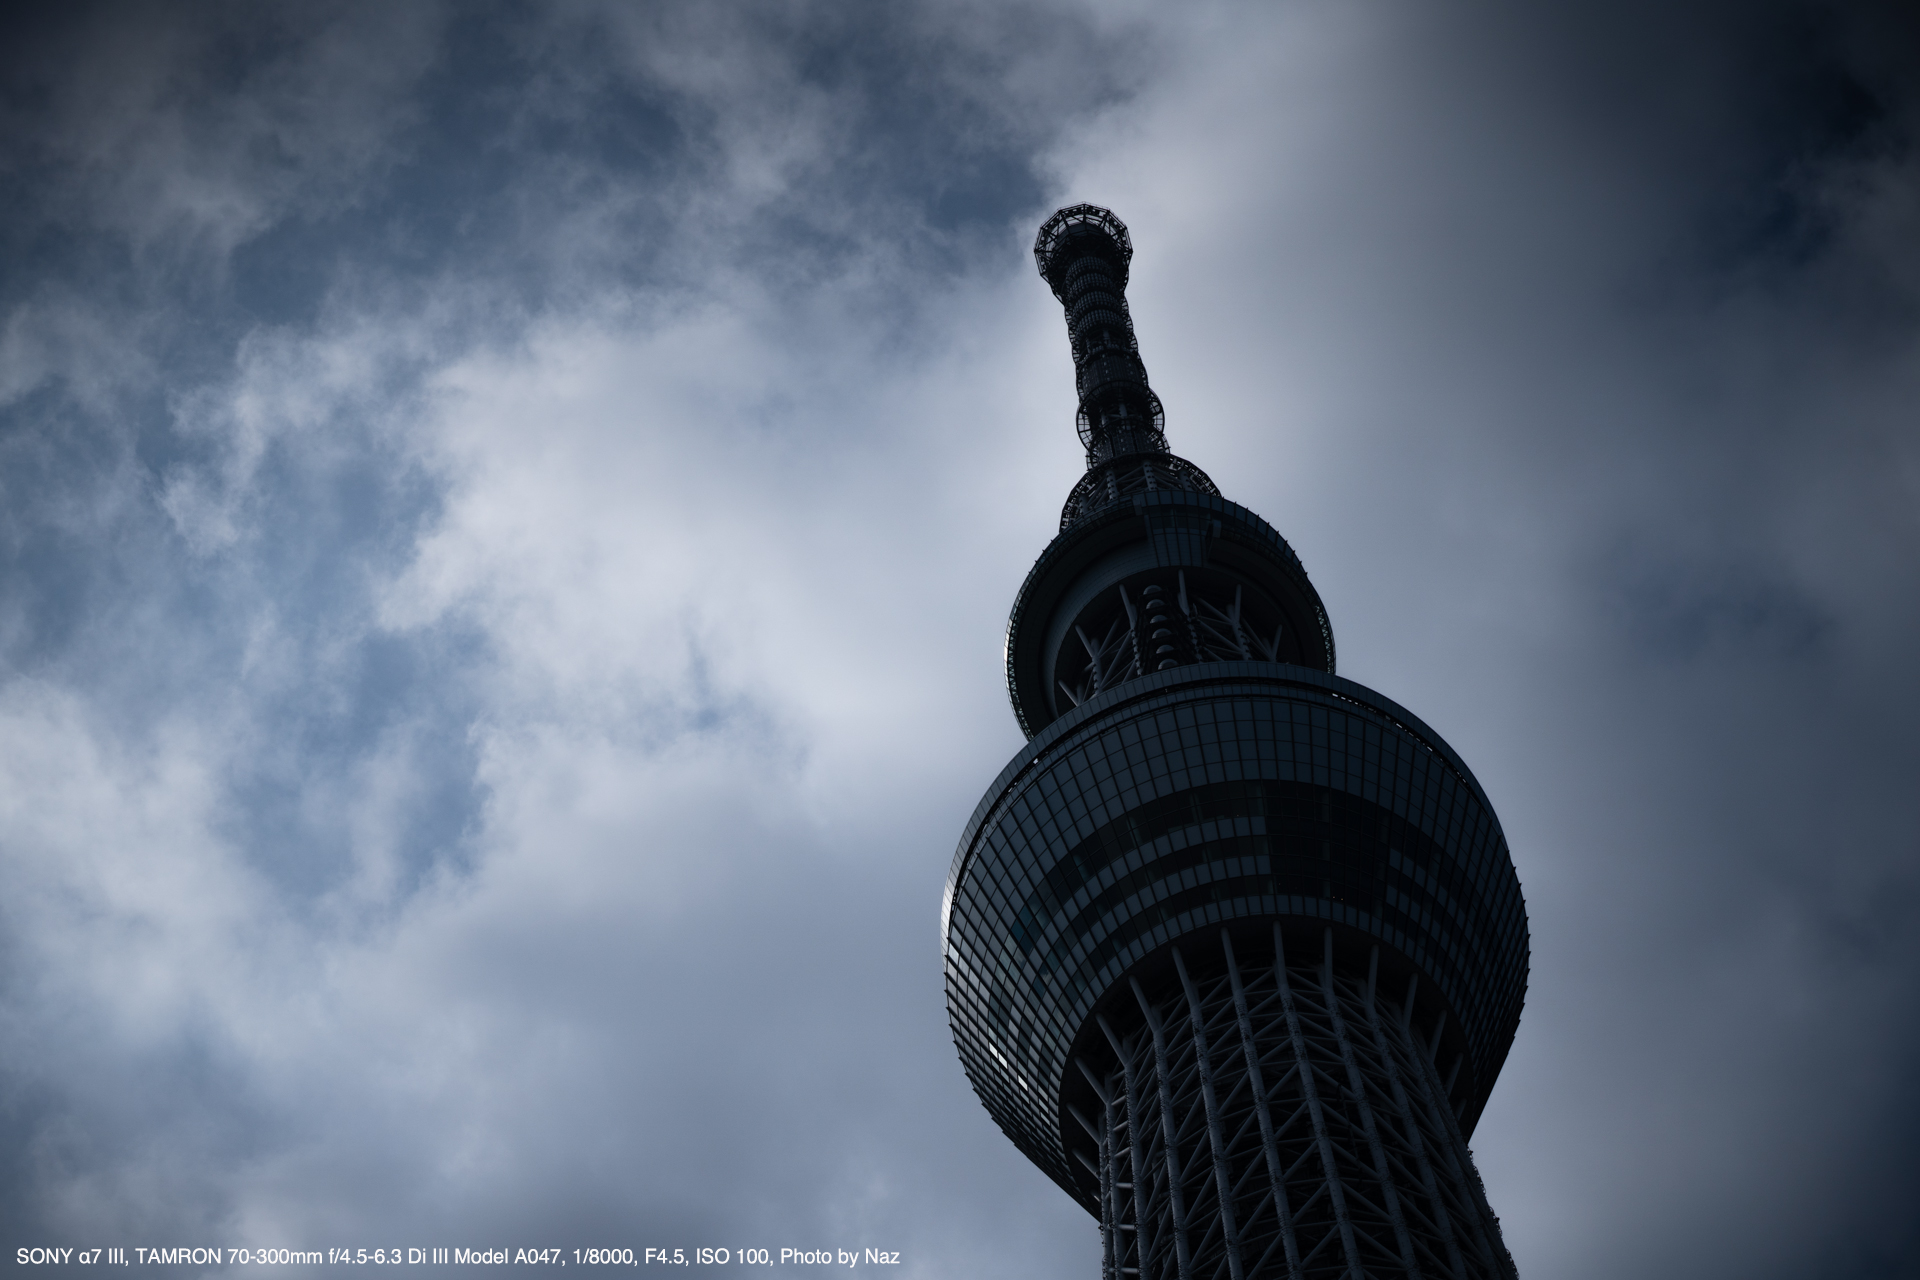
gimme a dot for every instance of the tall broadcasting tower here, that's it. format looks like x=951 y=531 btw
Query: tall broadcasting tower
x=1234 y=947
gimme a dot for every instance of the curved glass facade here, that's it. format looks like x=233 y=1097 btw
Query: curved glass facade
x=1203 y=796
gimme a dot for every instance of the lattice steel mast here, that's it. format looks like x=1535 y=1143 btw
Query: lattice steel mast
x=1083 y=253
x=1234 y=947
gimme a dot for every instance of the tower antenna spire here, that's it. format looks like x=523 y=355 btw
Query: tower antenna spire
x=1083 y=252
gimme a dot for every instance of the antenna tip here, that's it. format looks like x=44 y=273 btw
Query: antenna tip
x=1087 y=228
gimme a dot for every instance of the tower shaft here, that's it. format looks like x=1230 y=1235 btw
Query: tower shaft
x=1083 y=253
x=1273 y=1116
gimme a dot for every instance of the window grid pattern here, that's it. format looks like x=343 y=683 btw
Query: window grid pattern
x=1198 y=796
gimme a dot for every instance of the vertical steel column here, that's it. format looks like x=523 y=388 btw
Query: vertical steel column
x=1304 y=1064
x=1142 y=1238
x=1223 y=1178
x=1497 y=1256
x=1101 y=1171
x=1103 y=1140
x=1459 y=1158
x=1109 y=1171
x=1268 y=1142
x=1432 y=1184
x=1358 y=1083
x=1176 y=1200
x=1115 y=1201
x=1110 y=1221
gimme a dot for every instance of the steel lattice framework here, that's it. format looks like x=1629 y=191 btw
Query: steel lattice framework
x=1083 y=252
x=1234 y=947
x=1277 y=1120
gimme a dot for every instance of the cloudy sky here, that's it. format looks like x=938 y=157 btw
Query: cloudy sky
x=508 y=513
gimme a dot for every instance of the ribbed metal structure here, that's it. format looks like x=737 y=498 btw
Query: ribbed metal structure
x=1083 y=253
x=1234 y=947
x=1278 y=1118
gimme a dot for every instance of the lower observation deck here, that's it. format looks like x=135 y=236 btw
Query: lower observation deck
x=1146 y=836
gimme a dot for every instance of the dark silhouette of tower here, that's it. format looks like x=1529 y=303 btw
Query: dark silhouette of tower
x=1234 y=947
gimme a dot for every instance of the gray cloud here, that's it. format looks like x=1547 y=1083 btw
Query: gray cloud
x=501 y=507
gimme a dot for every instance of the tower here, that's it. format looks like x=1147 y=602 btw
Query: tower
x=1234 y=947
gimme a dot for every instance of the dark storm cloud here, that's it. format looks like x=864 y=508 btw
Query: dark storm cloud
x=1580 y=369
x=1715 y=444
x=206 y=189
x=280 y=703
x=500 y=505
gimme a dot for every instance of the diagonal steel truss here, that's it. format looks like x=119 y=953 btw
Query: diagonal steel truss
x=1181 y=624
x=1268 y=1121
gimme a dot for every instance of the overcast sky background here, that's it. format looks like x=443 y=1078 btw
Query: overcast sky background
x=508 y=515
